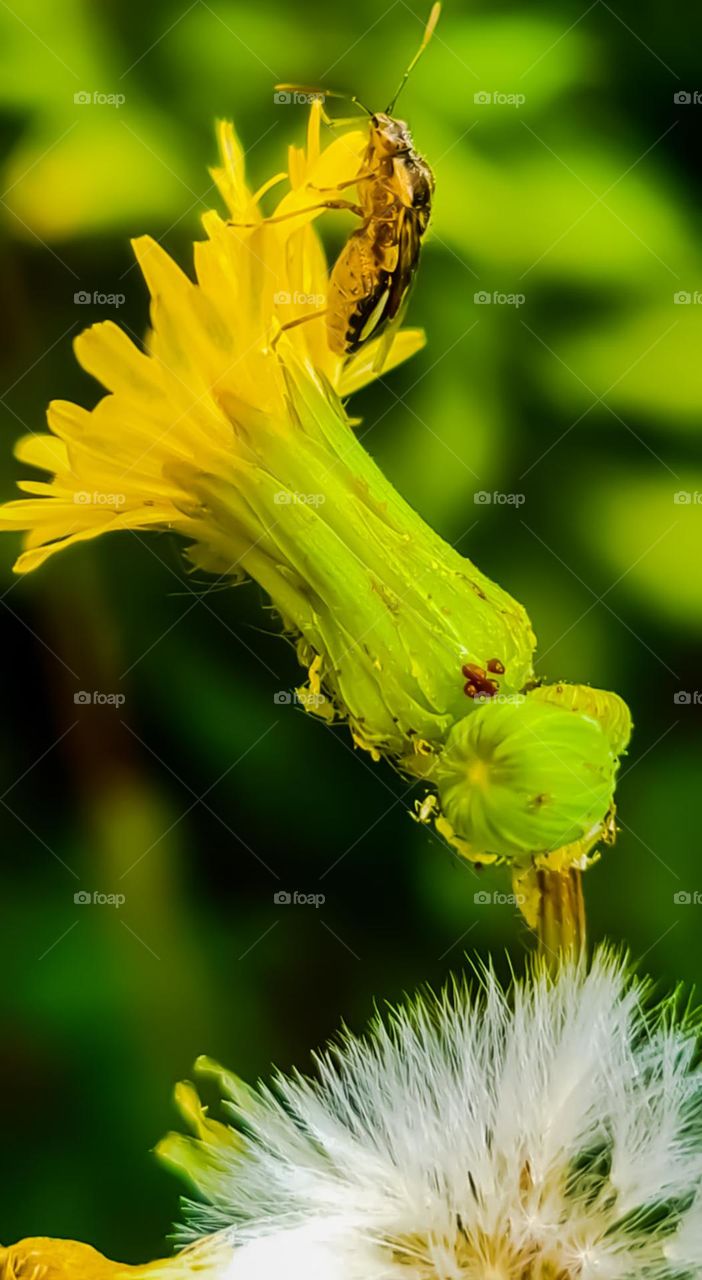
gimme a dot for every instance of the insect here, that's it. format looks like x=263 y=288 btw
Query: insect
x=371 y=278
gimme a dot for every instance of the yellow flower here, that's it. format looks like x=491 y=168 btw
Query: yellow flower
x=230 y=430
x=41 y=1258
x=210 y=373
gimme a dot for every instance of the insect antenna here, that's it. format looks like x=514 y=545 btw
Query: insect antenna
x=428 y=33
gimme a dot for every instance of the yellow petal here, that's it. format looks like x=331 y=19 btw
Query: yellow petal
x=164 y=278
x=231 y=1085
x=200 y=1157
x=105 y=351
x=67 y=420
x=24 y=513
x=45 y=488
x=340 y=162
x=41 y=1258
x=313 y=131
x=230 y=178
x=43 y=451
x=101 y=523
x=359 y=370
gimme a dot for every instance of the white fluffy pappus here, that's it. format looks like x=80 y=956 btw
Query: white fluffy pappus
x=549 y=1132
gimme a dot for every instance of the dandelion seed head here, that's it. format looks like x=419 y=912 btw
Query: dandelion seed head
x=549 y=1132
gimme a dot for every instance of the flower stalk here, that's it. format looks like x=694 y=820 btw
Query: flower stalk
x=561 y=926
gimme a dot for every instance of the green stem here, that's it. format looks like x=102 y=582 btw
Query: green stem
x=561 y=924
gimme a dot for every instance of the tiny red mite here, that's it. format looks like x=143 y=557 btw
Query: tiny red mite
x=479 y=685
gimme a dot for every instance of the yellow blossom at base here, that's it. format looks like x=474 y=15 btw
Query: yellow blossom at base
x=42 y=1258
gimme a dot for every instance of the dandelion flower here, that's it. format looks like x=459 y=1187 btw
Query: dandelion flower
x=210 y=395
x=550 y=1132
x=232 y=432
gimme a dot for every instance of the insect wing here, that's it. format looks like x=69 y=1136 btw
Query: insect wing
x=409 y=240
x=401 y=284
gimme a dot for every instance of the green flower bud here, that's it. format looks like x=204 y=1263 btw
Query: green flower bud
x=522 y=778
x=608 y=709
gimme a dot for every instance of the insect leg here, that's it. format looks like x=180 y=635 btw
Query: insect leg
x=339 y=122
x=350 y=182
x=312 y=208
x=292 y=324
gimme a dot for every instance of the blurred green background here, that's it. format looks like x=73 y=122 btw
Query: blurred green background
x=201 y=789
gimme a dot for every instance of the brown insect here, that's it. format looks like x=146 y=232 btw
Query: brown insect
x=370 y=280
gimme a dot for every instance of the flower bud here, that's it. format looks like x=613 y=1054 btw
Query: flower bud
x=523 y=777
